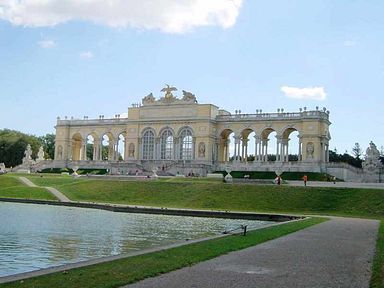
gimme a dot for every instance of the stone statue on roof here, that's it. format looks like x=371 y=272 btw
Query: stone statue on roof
x=189 y=97
x=148 y=99
x=168 y=91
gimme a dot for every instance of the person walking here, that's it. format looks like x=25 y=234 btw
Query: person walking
x=305 y=179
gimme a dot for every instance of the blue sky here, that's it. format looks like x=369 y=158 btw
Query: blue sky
x=79 y=58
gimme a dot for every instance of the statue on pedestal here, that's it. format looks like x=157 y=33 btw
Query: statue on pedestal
x=372 y=161
x=40 y=154
x=27 y=155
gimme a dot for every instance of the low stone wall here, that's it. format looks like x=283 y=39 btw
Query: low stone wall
x=164 y=211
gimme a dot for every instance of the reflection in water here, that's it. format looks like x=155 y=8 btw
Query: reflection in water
x=40 y=236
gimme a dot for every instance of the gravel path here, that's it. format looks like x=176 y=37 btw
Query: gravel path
x=55 y=192
x=27 y=182
x=337 y=253
x=337 y=184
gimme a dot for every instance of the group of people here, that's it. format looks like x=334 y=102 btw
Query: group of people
x=278 y=180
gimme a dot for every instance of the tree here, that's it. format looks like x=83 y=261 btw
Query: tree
x=13 y=144
x=356 y=151
x=346 y=158
x=48 y=143
x=90 y=151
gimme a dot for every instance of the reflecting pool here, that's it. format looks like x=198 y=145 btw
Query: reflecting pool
x=33 y=236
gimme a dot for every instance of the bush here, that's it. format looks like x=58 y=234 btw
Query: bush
x=70 y=171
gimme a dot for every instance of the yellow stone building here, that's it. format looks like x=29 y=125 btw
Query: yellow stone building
x=177 y=135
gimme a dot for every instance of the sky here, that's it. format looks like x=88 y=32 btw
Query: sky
x=90 y=58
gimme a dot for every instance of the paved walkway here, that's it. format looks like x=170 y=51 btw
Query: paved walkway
x=338 y=184
x=58 y=194
x=54 y=192
x=27 y=182
x=337 y=253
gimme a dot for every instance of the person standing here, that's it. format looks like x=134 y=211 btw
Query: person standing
x=305 y=179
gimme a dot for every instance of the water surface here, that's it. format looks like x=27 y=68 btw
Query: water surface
x=33 y=236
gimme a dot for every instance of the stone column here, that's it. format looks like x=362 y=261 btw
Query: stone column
x=278 y=147
x=235 y=152
x=139 y=148
x=216 y=156
x=94 y=152
x=226 y=149
x=237 y=148
x=111 y=150
x=69 y=149
x=286 y=151
x=176 y=147
x=100 y=157
x=264 y=150
x=257 y=148
x=83 y=154
x=284 y=148
x=116 y=150
x=245 y=150
x=299 y=157
x=156 y=155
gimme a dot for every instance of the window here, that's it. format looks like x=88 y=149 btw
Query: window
x=148 y=143
x=186 y=149
x=166 y=145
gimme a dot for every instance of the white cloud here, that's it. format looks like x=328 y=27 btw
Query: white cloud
x=46 y=44
x=86 y=55
x=311 y=93
x=172 y=16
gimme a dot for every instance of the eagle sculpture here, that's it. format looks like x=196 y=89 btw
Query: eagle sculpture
x=168 y=91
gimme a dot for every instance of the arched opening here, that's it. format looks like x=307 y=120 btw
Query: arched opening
x=91 y=154
x=166 y=145
x=148 y=145
x=248 y=145
x=76 y=152
x=226 y=145
x=186 y=144
x=107 y=147
x=268 y=145
x=120 y=149
x=291 y=147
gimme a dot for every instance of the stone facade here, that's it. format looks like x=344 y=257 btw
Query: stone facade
x=179 y=132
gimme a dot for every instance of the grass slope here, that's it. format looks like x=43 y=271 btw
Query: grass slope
x=124 y=271
x=220 y=196
x=12 y=187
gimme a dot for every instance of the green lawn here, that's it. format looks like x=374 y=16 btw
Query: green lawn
x=53 y=180
x=124 y=271
x=215 y=195
x=12 y=187
x=7 y=181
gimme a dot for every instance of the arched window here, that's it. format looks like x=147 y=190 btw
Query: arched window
x=166 y=145
x=148 y=143
x=186 y=144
